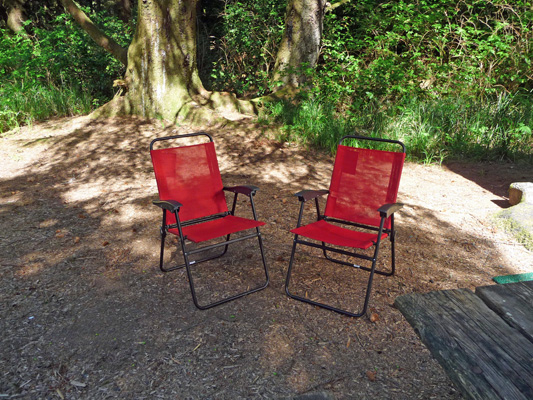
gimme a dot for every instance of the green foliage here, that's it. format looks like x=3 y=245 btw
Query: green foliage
x=56 y=71
x=497 y=128
x=429 y=48
x=20 y=105
x=240 y=45
x=451 y=79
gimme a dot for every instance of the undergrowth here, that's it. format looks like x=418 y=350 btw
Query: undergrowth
x=434 y=130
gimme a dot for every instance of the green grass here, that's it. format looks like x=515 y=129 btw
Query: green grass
x=20 y=105
x=497 y=128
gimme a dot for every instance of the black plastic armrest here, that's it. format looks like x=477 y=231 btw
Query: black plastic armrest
x=169 y=205
x=386 y=210
x=248 y=190
x=305 y=195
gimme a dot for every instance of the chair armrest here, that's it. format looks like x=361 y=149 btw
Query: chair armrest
x=387 y=210
x=248 y=190
x=305 y=195
x=169 y=205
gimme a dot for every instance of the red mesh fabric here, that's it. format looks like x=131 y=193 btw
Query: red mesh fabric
x=333 y=234
x=190 y=175
x=362 y=181
x=217 y=228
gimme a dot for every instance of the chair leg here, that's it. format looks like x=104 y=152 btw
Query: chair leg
x=162 y=253
x=188 y=265
x=392 y=238
x=323 y=305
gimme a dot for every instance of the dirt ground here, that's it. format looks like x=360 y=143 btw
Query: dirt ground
x=86 y=313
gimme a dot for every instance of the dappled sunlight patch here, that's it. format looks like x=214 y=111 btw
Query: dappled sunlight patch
x=83 y=193
x=127 y=215
x=280 y=173
x=48 y=223
x=29 y=269
x=147 y=246
x=299 y=379
x=278 y=348
x=36 y=262
x=102 y=193
x=10 y=198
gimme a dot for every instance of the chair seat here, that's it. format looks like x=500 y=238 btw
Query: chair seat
x=217 y=228
x=324 y=231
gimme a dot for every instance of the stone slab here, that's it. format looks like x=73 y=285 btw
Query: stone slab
x=521 y=192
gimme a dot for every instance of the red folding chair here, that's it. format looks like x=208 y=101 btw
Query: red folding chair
x=194 y=206
x=359 y=211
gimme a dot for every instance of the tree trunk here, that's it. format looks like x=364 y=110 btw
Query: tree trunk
x=162 y=76
x=15 y=14
x=300 y=46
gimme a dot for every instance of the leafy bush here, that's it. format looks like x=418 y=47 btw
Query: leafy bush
x=429 y=48
x=450 y=78
x=497 y=128
x=240 y=44
x=20 y=105
x=55 y=72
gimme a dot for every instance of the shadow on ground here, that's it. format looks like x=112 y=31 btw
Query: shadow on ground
x=85 y=312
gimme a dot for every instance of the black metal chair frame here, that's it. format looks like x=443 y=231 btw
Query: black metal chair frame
x=385 y=211
x=174 y=206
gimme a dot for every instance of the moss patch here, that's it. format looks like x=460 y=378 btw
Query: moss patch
x=518 y=220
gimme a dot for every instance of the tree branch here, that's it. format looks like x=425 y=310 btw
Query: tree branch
x=112 y=47
x=331 y=7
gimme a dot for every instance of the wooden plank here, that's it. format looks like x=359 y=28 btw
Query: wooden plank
x=484 y=356
x=513 y=302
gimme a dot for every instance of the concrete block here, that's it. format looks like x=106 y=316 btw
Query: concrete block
x=521 y=192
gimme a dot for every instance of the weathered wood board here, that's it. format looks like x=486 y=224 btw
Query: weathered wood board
x=484 y=356
x=513 y=302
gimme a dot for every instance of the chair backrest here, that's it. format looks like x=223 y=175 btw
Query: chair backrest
x=190 y=175
x=362 y=181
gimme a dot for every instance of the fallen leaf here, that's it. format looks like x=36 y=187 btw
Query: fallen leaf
x=371 y=375
x=82 y=216
x=374 y=317
x=349 y=341
x=105 y=243
x=77 y=239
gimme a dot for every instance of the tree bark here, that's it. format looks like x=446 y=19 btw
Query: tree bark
x=96 y=34
x=15 y=14
x=162 y=75
x=300 y=46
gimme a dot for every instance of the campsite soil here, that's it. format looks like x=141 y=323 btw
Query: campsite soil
x=85 y=312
